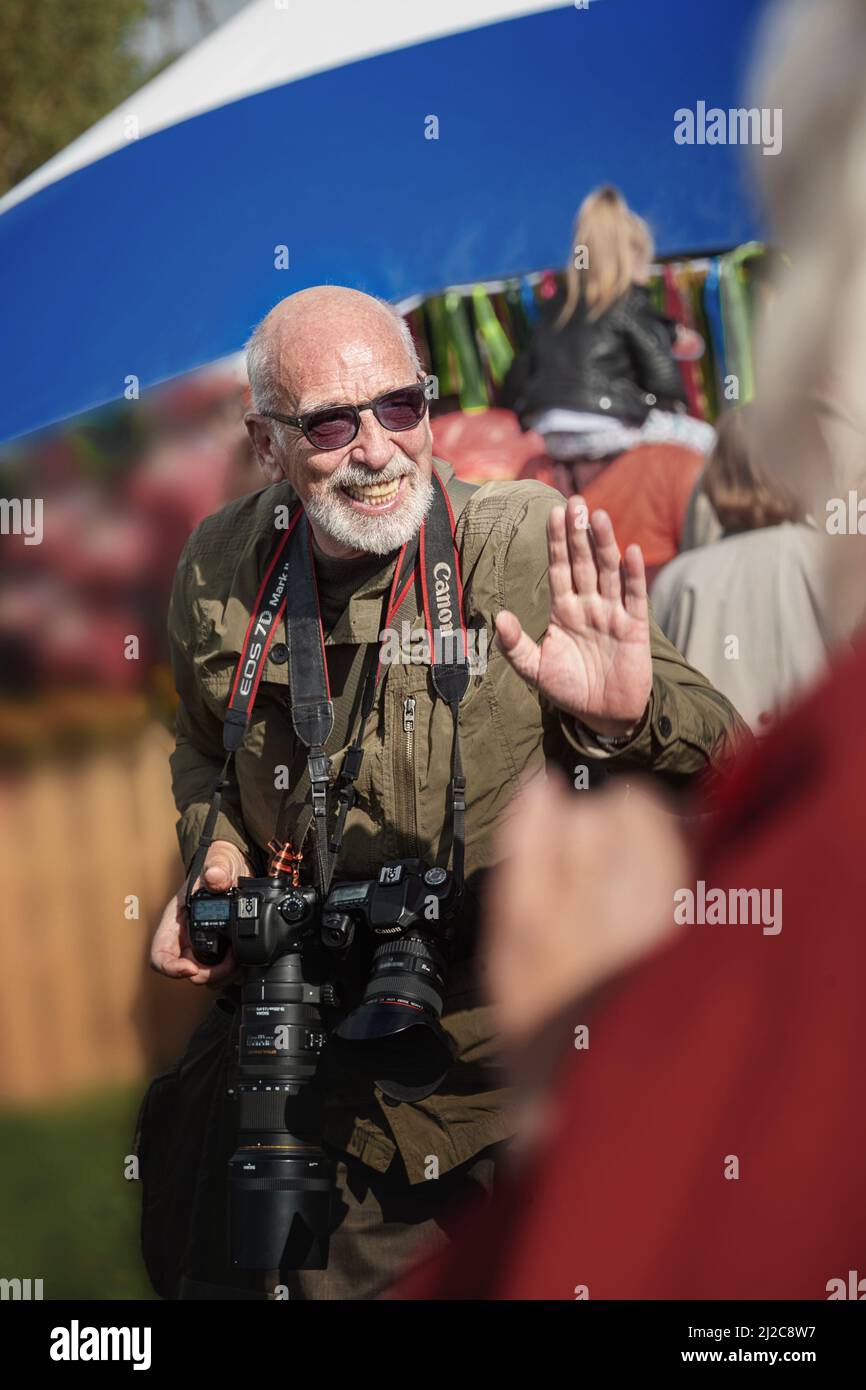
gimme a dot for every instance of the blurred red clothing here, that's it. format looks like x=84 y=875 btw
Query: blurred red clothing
x=646 y=491
x=728 y=1043
x=484 y=446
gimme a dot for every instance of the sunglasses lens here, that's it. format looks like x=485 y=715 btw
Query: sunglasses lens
x=331 y=429
x=400 y=410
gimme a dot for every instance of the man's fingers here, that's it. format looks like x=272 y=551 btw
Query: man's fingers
x=214 y=975
x=166 y=955
x=635 y=596
x=558 y=562
x=607 y=554
x=583 y=570
x=176 y=967
x=223 y=865
x=523 y=654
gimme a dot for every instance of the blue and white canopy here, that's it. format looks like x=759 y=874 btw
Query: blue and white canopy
x=151 y=245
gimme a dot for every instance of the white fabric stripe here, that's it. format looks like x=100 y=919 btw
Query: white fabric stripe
x=269 y=43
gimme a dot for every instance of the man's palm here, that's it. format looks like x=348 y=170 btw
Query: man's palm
x=594 y=660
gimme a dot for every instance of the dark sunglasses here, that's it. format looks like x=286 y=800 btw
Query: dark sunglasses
x=335 y=426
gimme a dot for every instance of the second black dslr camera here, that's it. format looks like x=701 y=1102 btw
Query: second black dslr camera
x=394 y=1033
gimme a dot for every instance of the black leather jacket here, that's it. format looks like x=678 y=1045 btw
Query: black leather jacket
x=620 y=365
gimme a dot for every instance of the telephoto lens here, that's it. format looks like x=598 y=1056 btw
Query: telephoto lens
x=280 y=1180
x=281 y=1183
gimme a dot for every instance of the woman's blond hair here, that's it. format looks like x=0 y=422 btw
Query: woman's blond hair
x=611 y=237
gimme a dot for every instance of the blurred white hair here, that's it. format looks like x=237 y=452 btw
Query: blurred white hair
x=811 y=346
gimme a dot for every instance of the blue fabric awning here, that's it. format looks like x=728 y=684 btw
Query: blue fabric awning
x=160 y=256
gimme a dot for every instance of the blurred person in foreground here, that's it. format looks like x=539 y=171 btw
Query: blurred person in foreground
x=750 y=610
x=580 y=675
x=707 y=1142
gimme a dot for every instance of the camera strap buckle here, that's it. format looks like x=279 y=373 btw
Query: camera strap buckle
x=319 y=765
x=320 y=801
x=319 y=768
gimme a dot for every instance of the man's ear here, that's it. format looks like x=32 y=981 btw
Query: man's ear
x=261 y=435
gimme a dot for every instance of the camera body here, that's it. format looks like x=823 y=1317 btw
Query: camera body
x=405 y=894
x=261 y=919
x=394 y=1034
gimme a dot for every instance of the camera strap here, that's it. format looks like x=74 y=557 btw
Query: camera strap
x=430 y=564
x=433 y=558
x=268 y=608
x=440 y=577
x=429 y=559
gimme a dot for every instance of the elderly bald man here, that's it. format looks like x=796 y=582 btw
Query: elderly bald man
x=578 y=674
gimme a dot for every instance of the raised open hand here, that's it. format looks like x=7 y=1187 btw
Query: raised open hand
x=594 y=660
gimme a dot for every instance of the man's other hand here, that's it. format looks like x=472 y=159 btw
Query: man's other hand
x=170 y=951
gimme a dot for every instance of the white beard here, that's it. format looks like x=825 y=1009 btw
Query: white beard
x=375 y=535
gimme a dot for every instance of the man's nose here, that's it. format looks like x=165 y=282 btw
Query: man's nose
x=372 y=444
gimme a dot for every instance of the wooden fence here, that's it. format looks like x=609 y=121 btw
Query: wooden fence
x=79 y=1007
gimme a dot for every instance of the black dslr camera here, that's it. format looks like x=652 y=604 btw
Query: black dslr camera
x=394 y=1035
x=292 y=949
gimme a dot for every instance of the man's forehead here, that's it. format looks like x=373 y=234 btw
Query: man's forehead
x=357 y=355
x=344 y=372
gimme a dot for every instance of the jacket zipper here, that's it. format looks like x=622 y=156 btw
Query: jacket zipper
x=405 y=786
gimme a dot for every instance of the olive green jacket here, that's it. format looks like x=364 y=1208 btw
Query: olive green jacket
x=402 y=803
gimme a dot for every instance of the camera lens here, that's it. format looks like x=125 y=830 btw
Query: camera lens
x=280 y=1180
x=395 y=1033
